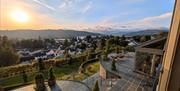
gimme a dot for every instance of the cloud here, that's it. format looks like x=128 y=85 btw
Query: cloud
x=68 y=3
x=75 y=6
x=151 y=22
x=64 y=4
x=45 y=5
x=130 y=2
x=87 y=7
x=160 y=17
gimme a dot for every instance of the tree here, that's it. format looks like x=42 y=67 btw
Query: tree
x=109 y=42
x=105 y=55
x=24 y=75
x=66 y=53
x=93 y=44
x=32 y=43
x=8 y=57
x=130 y=49
x=88 y=38
x=66 y=43
x=40 y=65
x=123 y=43
x=117 y=49
x=82 y=46
x=96 y=86
x=113 y=65
x=51 y=41
x=52 y=79
x=89 y=53
x=70 y=60
x=116 y=40
x=7 y=54
x=137 y=38
x=123 y=38
x=143 y=39
x=103 y=42
x=148 y=37
x=67 y=56
x=39 y=81
x=163 y=34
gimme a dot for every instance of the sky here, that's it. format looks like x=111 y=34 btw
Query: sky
x=87 y=14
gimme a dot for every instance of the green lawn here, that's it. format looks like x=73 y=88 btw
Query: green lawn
x=89 y=70
x=92 y=68
x=16 y=80
x=58 y=71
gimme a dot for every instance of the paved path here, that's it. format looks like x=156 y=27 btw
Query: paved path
x=90 y=81
x=63 y=85
x=130 y=81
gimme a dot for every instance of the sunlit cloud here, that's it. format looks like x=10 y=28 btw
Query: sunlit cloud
x=144 y=23
x=160 y=17
x=152 y=22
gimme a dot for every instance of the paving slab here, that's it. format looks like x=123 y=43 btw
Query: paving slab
x=131 y=81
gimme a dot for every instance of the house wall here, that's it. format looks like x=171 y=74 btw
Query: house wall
x=102 y=72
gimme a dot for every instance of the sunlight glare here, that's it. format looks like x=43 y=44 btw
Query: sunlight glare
x=19 y=16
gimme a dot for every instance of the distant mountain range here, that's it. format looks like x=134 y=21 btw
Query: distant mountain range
x=108 y=30
x=25 y=34
x=146 y=32
x=116 y=31
x=134 y=32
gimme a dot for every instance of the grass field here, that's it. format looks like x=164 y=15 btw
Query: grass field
x=58 y=71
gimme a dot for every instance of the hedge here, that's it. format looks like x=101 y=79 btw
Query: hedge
x=83 y=65
x=17 y=69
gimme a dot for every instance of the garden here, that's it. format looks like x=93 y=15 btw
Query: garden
x=12 y=76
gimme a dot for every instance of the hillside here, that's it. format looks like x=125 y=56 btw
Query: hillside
x=19 y=34
x=146 y=32
x=116 y=31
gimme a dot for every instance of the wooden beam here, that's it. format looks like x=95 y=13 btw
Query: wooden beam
x=150 y=50
x=168 y=80
x=151 y=42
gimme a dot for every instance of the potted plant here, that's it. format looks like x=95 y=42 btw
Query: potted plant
x=52 y=78
x=39 y=81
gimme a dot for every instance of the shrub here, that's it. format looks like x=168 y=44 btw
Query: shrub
x=40 y=65
x=96 y=86
x=82 y=66
x=105 y=55
x=24 y=75
x=39 y=81
x=89 y=68
x=52 y=79
x=130 y=49
x=113 y=66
